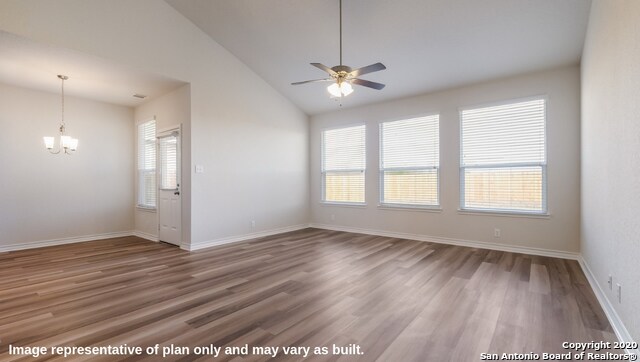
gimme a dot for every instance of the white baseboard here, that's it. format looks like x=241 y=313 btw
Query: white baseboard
x=616 y=323
x=143 y=235
x=235 y=239
x=459 y=242
x=52 y=242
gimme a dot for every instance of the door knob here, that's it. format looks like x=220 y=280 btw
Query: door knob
x=177 y=193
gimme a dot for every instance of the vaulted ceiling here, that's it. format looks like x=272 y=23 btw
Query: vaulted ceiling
x=427 y=45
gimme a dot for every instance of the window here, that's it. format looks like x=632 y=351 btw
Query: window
x=343 y=165
x=147 y=164
x=409 y=161
x=503 y=157
x=168 y=162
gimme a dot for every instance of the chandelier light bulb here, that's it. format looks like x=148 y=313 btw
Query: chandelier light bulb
x=49 y=142
x=65 y=141
x=73 y=144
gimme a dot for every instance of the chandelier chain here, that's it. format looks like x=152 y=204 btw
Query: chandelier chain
x=62 y=103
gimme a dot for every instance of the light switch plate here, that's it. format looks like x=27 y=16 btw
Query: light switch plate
x=199 y=169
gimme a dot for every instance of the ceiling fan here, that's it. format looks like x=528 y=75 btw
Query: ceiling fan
x=344 y=76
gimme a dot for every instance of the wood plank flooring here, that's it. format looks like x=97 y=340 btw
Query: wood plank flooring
x=399 y=300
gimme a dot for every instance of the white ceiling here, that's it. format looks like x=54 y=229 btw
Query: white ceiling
x=427 y=45
x=33 y=65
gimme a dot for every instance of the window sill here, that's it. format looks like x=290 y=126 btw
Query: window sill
x=344 y=204
x=146 y=209
x=505 y=214
x=397 y=207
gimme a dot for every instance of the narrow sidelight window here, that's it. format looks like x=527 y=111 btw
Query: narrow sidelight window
x=147 y=164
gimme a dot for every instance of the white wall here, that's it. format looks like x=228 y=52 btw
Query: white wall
x=45 y=197
x=169 y=110
x=252 y=142
x=610 y=224
x=256 y=165
x=559 y=232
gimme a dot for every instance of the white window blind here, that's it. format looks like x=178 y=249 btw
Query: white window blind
x=503 y=157
x=168 y=162
x=409 y=161
x=147 y=164
x=343 y=164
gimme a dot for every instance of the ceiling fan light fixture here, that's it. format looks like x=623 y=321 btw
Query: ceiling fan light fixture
x=334 y=90
x=346 y=88
x=340 y=90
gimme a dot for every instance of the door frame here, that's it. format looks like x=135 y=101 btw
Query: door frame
x=162 y=132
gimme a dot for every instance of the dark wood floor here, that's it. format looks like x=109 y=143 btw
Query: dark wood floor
x=400 y=300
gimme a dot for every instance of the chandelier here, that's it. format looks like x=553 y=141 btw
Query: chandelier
x=66 y=143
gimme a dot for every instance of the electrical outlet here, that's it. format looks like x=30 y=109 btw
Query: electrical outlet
x=496 y=233
x=610 y=282
x=253 y=223
x=333 y=217
x=619 y=292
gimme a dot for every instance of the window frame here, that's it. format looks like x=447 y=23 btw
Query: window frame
x=139 y=171
x=544 y=211
x=392 y=205
x=323 y=172
x=160 y=134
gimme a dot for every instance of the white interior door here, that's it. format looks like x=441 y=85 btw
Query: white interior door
x=169 y=205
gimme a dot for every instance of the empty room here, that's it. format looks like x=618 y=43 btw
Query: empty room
x=322 y=180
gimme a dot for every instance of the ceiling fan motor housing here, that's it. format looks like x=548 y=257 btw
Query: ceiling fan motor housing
x=341 y=68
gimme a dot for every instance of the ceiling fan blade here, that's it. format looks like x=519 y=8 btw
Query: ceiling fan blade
x=368 y=69
x=367 y=83
x=324 y=67
x=312 y=81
